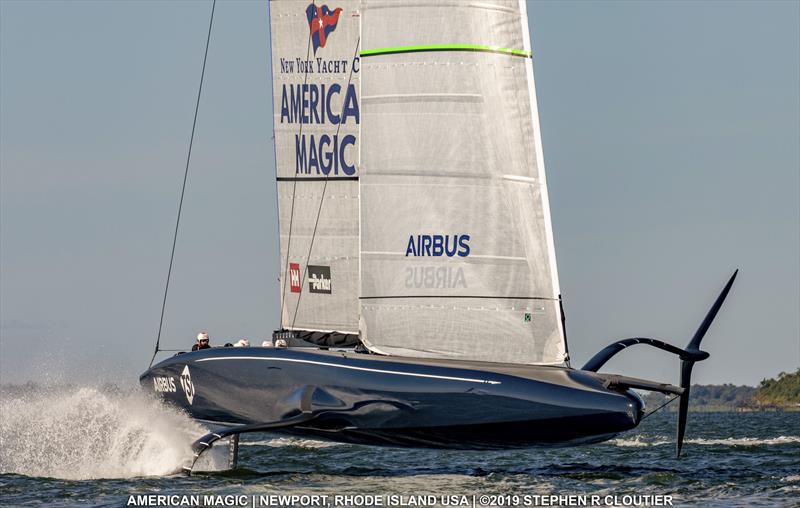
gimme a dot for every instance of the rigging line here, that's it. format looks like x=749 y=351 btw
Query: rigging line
x=659 y=407
x=324 y=188
x=294 y=190
x=271 y=75
x=183 y=188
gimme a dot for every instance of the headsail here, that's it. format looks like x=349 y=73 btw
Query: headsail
x=457 y=255
x=317 y=121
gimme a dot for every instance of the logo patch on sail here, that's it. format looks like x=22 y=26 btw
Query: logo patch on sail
x=319 y=279
x=321 y=22
x=437 y=245
x=435 y=277
x=294 y=277
x=187 y=385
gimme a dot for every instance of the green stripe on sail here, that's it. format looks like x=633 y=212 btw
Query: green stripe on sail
x=445 y=47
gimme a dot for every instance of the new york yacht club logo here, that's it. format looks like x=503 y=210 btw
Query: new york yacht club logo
x=321 y=22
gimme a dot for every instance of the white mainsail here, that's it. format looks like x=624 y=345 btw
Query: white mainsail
x=439 y=242
x=457 y=257
x=317 y=123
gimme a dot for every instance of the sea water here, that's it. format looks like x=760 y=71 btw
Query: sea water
x=98 y=446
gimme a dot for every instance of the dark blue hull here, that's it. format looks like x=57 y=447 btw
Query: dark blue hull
x=368 y=399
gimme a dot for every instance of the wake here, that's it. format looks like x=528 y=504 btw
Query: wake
x=83 y=433
x=280 y=442
x=640 y=441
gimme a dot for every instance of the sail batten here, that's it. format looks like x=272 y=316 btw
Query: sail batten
x=444 y=47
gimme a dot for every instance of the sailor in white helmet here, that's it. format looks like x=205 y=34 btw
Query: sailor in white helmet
x=242 y=343
x=202 y=342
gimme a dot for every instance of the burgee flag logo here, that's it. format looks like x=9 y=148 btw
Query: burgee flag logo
x=321 y=22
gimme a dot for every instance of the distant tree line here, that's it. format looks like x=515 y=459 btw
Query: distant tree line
x=780 y=393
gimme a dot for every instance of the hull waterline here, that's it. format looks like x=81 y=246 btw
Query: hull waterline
x=368 y=399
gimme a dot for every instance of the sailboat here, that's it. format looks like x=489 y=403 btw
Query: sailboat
x=420 y=301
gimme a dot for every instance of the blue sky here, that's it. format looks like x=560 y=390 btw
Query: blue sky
x=670 y=135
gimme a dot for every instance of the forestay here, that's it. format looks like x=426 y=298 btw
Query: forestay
x=317 y=122
x=457 y=256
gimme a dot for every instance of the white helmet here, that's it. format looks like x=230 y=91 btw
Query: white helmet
x=202 y=336
x=266 y=343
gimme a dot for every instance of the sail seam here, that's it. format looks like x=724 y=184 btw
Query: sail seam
x=315 y=178
x=459 y=296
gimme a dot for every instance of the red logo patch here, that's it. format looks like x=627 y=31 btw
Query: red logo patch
x=294 y=277
x=321 y=21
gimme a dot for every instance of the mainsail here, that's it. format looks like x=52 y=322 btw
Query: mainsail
x=439 y=242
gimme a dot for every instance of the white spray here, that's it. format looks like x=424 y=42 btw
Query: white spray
x=87 y=433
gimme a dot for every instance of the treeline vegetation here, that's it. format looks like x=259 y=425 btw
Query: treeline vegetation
x=725 y=397
x=782 y=392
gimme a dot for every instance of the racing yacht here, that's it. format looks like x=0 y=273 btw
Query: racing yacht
x=419 y=294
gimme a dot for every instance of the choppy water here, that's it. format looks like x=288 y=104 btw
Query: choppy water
x=96 y=446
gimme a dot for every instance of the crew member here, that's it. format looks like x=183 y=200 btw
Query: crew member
x=202 y=342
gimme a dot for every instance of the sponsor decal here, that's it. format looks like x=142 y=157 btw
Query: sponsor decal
x=321 y=22
x=438 y=245
x=319 y=279
x=315 y=103
x=330 y=99
x=527 y=318
x=164 y=384
x=294 y=277
x=435 y=277
x=186 y=384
